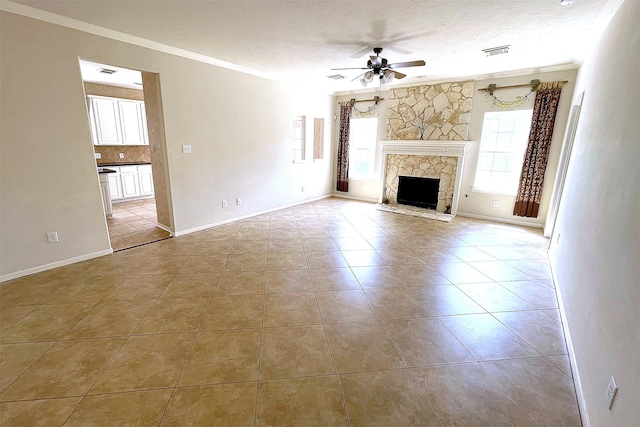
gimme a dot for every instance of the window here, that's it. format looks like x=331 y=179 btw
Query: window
x=297 y=138
x=504 y=140
x=363 y=134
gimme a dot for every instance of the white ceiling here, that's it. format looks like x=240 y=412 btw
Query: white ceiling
x=122 y=77
x=300 y=40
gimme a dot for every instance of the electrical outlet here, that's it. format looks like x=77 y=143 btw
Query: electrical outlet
x=98 y=155
x=224 y=203
x=121 y=155
x=303 y=189
x=238 y=201
x=52 y=237
x=186 y=149
x=610 y=394
x=496 y=203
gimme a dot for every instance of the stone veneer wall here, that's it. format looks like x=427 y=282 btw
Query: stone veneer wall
x=443 y=168
x=430 y=112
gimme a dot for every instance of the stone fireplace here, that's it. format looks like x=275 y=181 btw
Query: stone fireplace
x=443 y=160
x=426 y=131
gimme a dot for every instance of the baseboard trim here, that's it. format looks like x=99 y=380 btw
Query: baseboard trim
x=496 y=219
x=41 y=268
x=239 y=218
x=165 y=228
x=582 y=404
x=348 y=196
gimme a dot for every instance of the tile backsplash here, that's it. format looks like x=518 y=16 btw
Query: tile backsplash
x=110 y=154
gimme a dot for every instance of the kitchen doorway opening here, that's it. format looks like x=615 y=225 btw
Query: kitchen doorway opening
x=127 y=129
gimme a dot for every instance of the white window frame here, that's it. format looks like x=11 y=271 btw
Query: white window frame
x=362 y=143
x=501 y=151
x=298 y=138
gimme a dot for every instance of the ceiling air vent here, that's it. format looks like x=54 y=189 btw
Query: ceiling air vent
x=336 y=77
x=492 y=51
x=106 y=71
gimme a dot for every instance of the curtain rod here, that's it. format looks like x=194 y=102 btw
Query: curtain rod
x=533 y=85
x=375 y=99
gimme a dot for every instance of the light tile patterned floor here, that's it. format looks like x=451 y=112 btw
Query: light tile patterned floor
x=134 y=223
x=329 y=313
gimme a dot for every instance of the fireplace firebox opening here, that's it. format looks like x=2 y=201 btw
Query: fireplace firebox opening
x=417 y=191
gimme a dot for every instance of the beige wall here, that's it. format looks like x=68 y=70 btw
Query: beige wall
x=238 y=125
x=596 y=261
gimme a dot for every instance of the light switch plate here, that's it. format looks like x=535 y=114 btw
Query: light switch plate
x=121 y=155
x=186 y=149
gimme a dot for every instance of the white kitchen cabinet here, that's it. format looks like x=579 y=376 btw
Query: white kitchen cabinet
x=115 y=184
x=116 y=121
x=145 y=178
x=132 y=122
x=130 y=181
x=105 y=121
x=106 y=199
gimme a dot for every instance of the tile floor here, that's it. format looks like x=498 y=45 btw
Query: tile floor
x=134 y=223
x=329 y=313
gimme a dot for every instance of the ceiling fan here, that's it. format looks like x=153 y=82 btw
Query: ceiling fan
x=379 y=66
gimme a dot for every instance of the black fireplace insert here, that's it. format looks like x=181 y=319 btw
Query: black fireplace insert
x=417 y=191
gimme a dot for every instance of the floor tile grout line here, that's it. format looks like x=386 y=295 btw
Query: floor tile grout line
x=186 y=359
x=260 y=347
x=502 y=387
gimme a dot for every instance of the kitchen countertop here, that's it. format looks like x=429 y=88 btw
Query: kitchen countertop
x=105 y=170
x=100 y=165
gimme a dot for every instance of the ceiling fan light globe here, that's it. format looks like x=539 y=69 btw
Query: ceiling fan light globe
x=368 y=77
x=364 y=82
x=386 y=77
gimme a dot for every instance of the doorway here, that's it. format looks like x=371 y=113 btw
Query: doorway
x=563 y=166
x=125 y=121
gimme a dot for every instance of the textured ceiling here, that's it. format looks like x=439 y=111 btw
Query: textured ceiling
x=300 y=40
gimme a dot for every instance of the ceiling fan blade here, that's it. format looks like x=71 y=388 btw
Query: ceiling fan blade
x=358 y=76
x=356 y=68
x=399 y=75
x=419 y=63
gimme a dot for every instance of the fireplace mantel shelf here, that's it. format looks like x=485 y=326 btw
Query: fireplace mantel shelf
x=425 y=148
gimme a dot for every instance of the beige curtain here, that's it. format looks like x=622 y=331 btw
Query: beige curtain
x=537 y=154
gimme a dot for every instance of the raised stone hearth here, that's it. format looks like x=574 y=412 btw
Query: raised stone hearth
x=443 y=160
x=415 y=211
